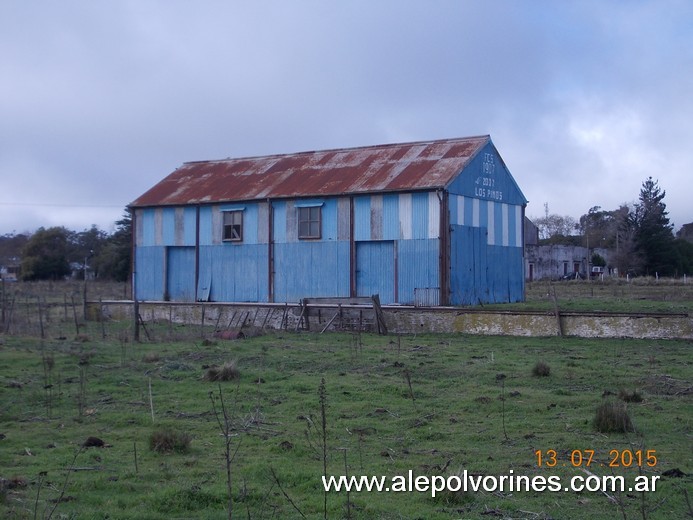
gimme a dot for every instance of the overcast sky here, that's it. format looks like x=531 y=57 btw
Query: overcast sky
x=100 y=100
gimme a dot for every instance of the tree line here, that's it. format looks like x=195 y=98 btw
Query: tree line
x=640 y=235
x=56 y=253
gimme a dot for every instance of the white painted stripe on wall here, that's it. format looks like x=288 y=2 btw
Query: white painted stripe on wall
x=460 y=210
x=405 y=215
x=433 y=215
x=139 y=227
x=506 y=229
x=376 y=217
x=475 y=212
x=491 y=214
x=158 y=226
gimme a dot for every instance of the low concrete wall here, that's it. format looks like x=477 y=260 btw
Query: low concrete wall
x=406 y=320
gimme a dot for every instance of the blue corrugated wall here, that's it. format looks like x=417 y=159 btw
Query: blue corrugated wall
x=236 y=273
x=149 y=275
x=310 y=269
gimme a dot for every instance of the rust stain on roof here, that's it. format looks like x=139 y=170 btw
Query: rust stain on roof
x=391 y=167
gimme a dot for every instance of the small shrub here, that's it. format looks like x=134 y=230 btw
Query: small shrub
x=629 y=397
x=541 y=369
x=169 y=441
x=227 y=372
x=151 y=357
x=613 y=417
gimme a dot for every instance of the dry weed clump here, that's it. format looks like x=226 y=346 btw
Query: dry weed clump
x=629 y=397
x=151 y=357
x=229 y=371
x=541 y=369
x=169 y=441
x=613 y=417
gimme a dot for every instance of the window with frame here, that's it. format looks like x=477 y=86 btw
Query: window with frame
x=233 y=226
x=309 y=222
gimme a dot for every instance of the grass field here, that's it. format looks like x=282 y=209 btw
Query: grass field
x=434 y=404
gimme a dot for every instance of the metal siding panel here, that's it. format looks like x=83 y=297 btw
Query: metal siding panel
x=180 y=274
x=498 y=223
x=291 y=222
x=179 y=227
x=506 y=225
x=375 y=270
x=469 y=211
x=310 y=269
x=250 y=224
x=405 y=216
x=433 y=215
x=483 y=215
x=263 y=223
x=168 y=227
x=139 y=227
x=362 y=218
x=376 y=220
x=491 y=222
x=505 y=275
x=466 y=264
x=513 y=237
x=217 y=225
x=391 y=217
x=206 y=226
x=148 y=228
x=519 y=221
x=419 y=205
x=149 y=278
x=279 y=224
x=453 y=208
x=475 y=213
x=190 y=225
x=237 y=273
x=481 y=273
x=329 y=220
x=158 y=227
x=417 y=267
x=343 y=218
x=279 y=221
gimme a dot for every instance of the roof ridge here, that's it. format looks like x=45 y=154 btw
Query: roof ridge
x=344 y=149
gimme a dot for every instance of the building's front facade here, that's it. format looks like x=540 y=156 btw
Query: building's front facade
x=439 y=220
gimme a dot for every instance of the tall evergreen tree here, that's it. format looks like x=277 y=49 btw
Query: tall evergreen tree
x=654 y=237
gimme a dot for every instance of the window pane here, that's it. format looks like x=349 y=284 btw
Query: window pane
x=309 y=222
x=233 y=225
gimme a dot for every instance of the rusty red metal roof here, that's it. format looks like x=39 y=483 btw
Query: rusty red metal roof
x=391 y=167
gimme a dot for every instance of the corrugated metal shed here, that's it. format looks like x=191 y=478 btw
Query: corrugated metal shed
x=421 y=165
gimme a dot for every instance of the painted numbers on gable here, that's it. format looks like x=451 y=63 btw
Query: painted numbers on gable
x=489 y=166
x=485 y=185
x=484 y=189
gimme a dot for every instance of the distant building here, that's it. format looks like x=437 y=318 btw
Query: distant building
x=439 y=220
x=531 y=233
x=9 y=273
x=686 y=232
x=553 y=262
